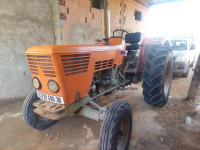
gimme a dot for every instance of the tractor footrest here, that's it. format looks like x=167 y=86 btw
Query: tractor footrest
x=49 y=115
x=48 y=106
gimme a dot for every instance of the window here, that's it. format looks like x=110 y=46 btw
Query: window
x=99 y=4
x=138 y=15
x=179 y=44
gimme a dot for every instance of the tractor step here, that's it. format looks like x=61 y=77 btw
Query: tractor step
x=49 y=115
x=48 y=106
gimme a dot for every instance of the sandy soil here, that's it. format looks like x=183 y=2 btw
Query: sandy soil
x=176 y=126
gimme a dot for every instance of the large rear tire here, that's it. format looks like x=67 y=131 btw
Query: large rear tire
x=157 y=76
x=32 y=119
x=117 y=127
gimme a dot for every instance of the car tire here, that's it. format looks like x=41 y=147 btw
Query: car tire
x=117 y=127
x=185 y=75
x=157 y=76
x=32 y=119
x=193 y=62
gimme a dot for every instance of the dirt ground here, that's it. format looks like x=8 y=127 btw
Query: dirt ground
x=176 y=126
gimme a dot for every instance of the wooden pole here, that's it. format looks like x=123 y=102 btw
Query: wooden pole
x=194 y=86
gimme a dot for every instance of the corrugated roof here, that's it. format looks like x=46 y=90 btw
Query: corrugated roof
x=149 y=3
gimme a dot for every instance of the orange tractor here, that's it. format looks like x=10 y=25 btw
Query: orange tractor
x=69 y=78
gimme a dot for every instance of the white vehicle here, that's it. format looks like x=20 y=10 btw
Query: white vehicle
x=184 y=55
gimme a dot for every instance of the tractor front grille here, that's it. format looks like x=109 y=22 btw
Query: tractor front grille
x=75 y=64
x=32 y=62
x=46 y=65
x=44 y=62
x=101 y=65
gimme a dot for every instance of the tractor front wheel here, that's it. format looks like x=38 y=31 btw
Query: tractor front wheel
x=117 y=127
x=157 y=76
x=32 y=119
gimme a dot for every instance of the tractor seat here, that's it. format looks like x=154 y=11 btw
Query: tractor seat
x=133 y=41
x=132 y=47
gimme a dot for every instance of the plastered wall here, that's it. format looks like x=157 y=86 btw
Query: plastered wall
x=23 y=23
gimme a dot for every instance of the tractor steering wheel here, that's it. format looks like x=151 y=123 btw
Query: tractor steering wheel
x=117 y=30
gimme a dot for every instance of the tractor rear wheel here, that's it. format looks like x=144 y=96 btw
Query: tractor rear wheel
x=32 y=119
x=117 y=127
x=157 y=76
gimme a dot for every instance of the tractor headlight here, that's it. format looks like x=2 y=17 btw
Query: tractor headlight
x=53 y=86
x=36 y=83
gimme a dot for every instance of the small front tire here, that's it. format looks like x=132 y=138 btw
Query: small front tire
x=117 y=127
x=32 y=119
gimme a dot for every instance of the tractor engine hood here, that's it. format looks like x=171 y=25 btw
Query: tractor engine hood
x=72 y=66
x=114 y=44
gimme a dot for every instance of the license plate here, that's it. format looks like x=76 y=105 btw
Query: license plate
x=177 y=66
x=50 y=98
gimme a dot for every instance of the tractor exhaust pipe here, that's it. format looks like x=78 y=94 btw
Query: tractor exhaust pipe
x=106 y=25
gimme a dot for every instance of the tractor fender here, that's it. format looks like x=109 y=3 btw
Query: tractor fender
x=146 y=46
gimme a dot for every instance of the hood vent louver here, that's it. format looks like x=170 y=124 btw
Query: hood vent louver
x=101 y=65
x=75 y=64
x=44 y=62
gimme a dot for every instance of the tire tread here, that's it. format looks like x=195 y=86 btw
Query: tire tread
x=153 y=76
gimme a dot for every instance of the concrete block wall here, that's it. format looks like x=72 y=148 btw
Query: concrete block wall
x=81 y=23
x=129 y=16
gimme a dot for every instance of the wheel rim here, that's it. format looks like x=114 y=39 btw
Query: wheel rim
x=123 y=132
x=167 y=78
